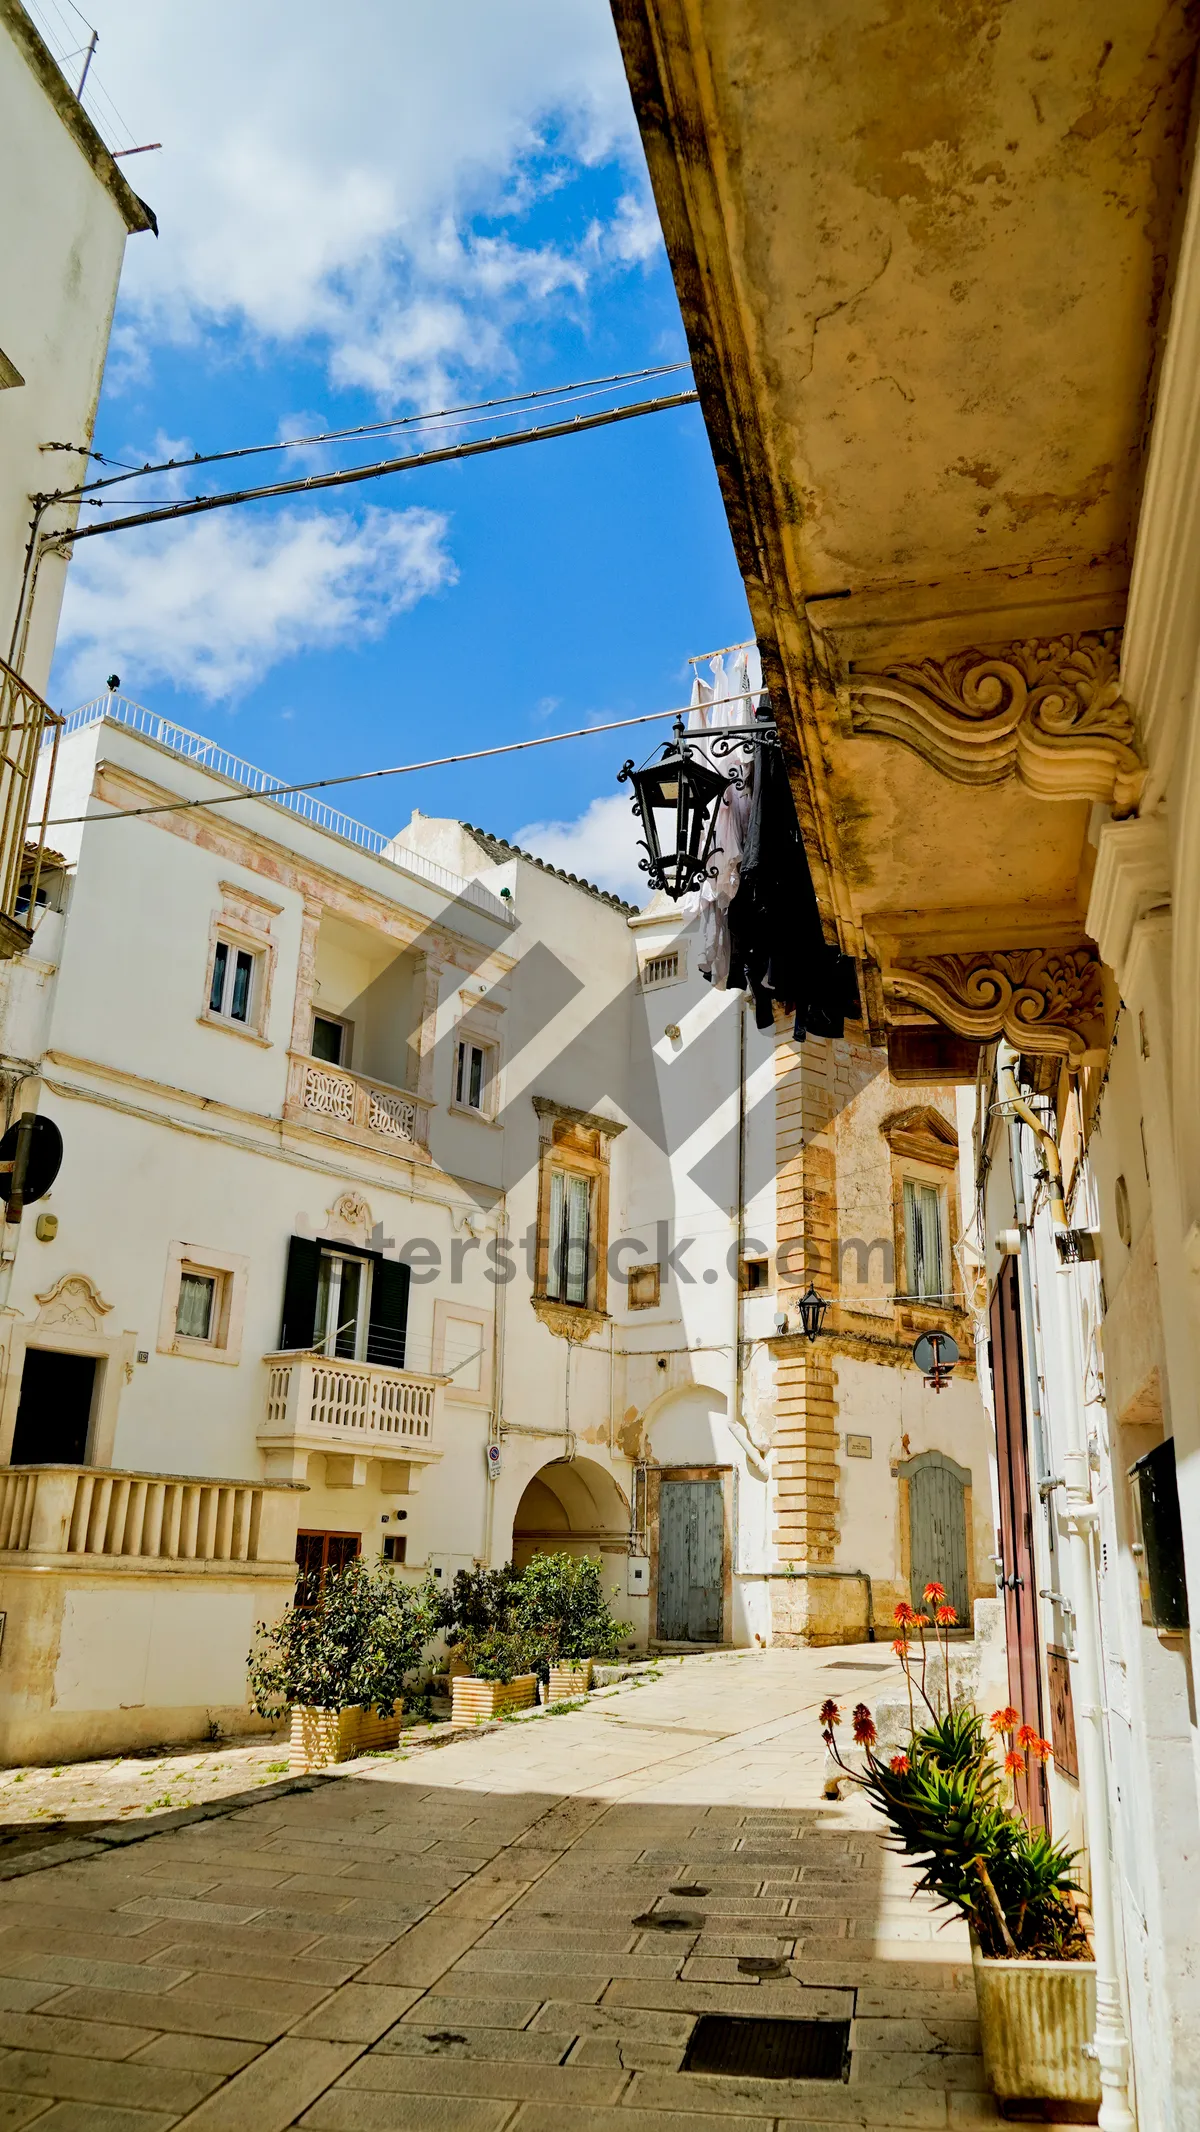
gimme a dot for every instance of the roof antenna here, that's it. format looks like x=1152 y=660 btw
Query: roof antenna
x=91 y=53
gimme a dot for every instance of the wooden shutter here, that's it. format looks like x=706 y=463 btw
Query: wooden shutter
x=388 y=1326
x=300 y=1293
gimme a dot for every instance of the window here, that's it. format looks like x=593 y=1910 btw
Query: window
x=756 y=1274
x=203 y=1303
x=320 y=1555
x=196 y=1312
x=352 y=1304
x=570 y=1236
x=923 y=1240
x=231 y=993
x=343 y=1306
x=470 y=1077
x=664 y=969
x=330 y=1039
x=395 y=1547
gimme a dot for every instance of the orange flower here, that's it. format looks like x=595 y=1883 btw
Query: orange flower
x=1014 y=1763
x=900 y=1647
x=1027 y=1735
x=935 y=1593
x=899 y=1765
x=920 y=1621
x=904 y=1614
x=1042 y=1749
x=830 y=1714
x=864 y=1726
x=946 y=1617
x=1004 y=1720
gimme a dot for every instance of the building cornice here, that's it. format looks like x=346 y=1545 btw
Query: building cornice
x=1132 y=878
x=41 y=62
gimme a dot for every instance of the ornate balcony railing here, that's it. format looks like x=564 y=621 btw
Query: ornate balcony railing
x=330 y=1099
x=95 y=1512
x=357 y=1410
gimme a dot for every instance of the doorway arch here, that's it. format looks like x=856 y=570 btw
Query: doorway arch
x=571 y=1504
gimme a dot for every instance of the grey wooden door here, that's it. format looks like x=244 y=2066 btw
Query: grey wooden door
x=691 y=1561
x=938 y=1528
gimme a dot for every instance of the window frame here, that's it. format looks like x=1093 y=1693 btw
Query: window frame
x=242 y=925
x=912 y=1181
x=343 y=1064
x=325 y=1343
x=578 y=1143
x=229 y=1271
x=468 y=1036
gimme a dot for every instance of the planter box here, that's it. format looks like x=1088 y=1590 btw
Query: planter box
x=568 y=1681
x=473 y=1699
x=320 y=1737
x=1034 y=2020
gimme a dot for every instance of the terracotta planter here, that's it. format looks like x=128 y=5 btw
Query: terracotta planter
x=474 y=1699
x=569 y=1680
x=1034 y=2020
x=320 y=1737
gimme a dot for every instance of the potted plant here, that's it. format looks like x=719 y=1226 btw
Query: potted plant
x=950 y=1805
x=338 y=1659
x=561 y=1608
x=489 y=1670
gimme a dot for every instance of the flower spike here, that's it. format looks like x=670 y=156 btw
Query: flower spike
x=934 y=1593
x=865 y=1734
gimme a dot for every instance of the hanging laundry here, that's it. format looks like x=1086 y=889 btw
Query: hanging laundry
x=778 y=949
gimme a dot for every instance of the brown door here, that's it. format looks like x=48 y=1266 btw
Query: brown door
x=1018 y=1571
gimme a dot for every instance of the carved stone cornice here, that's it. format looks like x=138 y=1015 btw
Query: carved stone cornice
x=1046 y=1001
x=1048 y=712
x=922 y=1134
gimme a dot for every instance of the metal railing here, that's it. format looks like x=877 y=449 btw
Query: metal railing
x=93 y=1511
x=26 y=724
x=210 y=755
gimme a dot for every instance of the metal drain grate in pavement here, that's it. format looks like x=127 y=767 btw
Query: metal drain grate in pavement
x=768 y=2050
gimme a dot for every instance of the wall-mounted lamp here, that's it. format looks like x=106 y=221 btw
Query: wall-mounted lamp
x=812 y=1308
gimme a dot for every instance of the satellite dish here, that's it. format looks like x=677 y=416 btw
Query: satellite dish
x=42 y=1164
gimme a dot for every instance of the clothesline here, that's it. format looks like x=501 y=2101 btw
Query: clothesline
x=697 y=658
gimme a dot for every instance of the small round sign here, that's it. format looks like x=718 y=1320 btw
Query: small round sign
x=42 y=1165
x=935 y=1351
x=494 y=1461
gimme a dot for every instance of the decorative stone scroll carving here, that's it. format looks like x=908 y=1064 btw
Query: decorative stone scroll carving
x=350 y=1217
x=74 y=1302
x=1050 y=713
x=1044 y=1000
x=569 y=1321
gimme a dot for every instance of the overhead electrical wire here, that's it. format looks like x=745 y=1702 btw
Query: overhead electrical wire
x=310 y=484
x=361 y=429
x=403 y=769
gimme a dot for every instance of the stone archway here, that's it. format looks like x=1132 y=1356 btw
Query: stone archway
x=572 y=1504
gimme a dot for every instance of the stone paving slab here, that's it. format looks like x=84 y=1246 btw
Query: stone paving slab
x=450 y=1941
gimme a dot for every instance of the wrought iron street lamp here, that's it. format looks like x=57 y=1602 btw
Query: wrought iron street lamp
x=676 y=796
x=812 y=1308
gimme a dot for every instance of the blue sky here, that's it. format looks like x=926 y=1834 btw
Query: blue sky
x=443 y=204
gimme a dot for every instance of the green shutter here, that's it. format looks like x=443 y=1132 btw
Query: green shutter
x=387 y=1330
x=300 y=1293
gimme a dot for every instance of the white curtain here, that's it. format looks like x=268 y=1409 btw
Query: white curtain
x=923 y=1239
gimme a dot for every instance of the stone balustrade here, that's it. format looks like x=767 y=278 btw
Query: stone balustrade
x=100 y=1513
x=351 y=1411
x=329 y=1099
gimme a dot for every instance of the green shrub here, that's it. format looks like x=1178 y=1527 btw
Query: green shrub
x=355 y=1644
x=562 y=1612
x=478 y=1601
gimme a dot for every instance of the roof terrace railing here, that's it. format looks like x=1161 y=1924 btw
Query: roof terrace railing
x=210 y=755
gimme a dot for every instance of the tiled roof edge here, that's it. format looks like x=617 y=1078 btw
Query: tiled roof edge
x=499 y=848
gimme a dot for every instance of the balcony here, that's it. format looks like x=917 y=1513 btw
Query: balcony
x=352 y=1412
x=95 y=1515
x=349 y=1106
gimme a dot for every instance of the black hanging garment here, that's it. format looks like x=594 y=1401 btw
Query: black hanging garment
x=778 y=950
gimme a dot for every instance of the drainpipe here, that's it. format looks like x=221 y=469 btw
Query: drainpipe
x=1080 y=1517
x=738 y=1430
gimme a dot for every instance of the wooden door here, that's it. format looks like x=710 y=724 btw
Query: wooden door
x=1018 y=1570
x=938 y=1532
x=691 y=1560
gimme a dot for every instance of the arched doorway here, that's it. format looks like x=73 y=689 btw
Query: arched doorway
x=572 y=1504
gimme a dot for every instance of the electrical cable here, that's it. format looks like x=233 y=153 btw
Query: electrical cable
x=403 y=769
x=361 y=429
x=311 y=483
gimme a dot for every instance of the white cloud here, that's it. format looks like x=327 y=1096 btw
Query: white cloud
x=212 y=604
x=600 y=845
x=327 y=176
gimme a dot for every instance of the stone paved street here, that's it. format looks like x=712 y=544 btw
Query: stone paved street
x=466 y=1940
